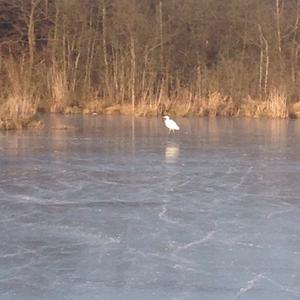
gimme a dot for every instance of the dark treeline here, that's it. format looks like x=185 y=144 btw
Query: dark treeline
x=63 y=53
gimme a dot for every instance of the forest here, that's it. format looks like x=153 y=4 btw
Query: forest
x=149 y=57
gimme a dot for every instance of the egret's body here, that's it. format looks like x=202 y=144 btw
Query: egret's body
x=170 y=124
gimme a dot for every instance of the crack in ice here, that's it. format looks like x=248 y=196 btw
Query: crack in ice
x=203 y=240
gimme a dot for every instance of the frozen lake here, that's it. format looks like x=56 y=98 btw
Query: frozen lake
x=114 y=208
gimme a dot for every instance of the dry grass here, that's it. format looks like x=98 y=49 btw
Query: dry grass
x=59 y=90
x=294 y=109
x=18 y=112
x=19 y=108
x=102 y=107
x=94 y=106
x=217 y=104
x=146 y=109
x=275 y=106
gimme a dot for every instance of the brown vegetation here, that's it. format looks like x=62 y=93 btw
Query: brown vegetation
x=18 y=108
x=147 y=57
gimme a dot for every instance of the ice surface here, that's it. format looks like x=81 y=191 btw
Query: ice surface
x=114 y=208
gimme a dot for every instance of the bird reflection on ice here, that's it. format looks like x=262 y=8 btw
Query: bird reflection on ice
x=171 y=153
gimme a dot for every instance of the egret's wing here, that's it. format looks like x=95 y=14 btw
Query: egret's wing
x=172 y=125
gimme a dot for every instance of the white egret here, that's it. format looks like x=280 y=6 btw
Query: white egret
x=170 y=124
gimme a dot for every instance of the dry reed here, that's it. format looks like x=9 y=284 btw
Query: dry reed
x=275 y=106
x=294 y=109
x=59 y=90
x=20 y=105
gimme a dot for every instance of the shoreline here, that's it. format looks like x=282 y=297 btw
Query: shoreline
x=252 y=109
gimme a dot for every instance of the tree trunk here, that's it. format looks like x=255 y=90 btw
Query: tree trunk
x=261 y=61
x=133 y=71
x=104 y=30
x=31 y=37
x=161 y=37
x=295 y=47
x=278 y=27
